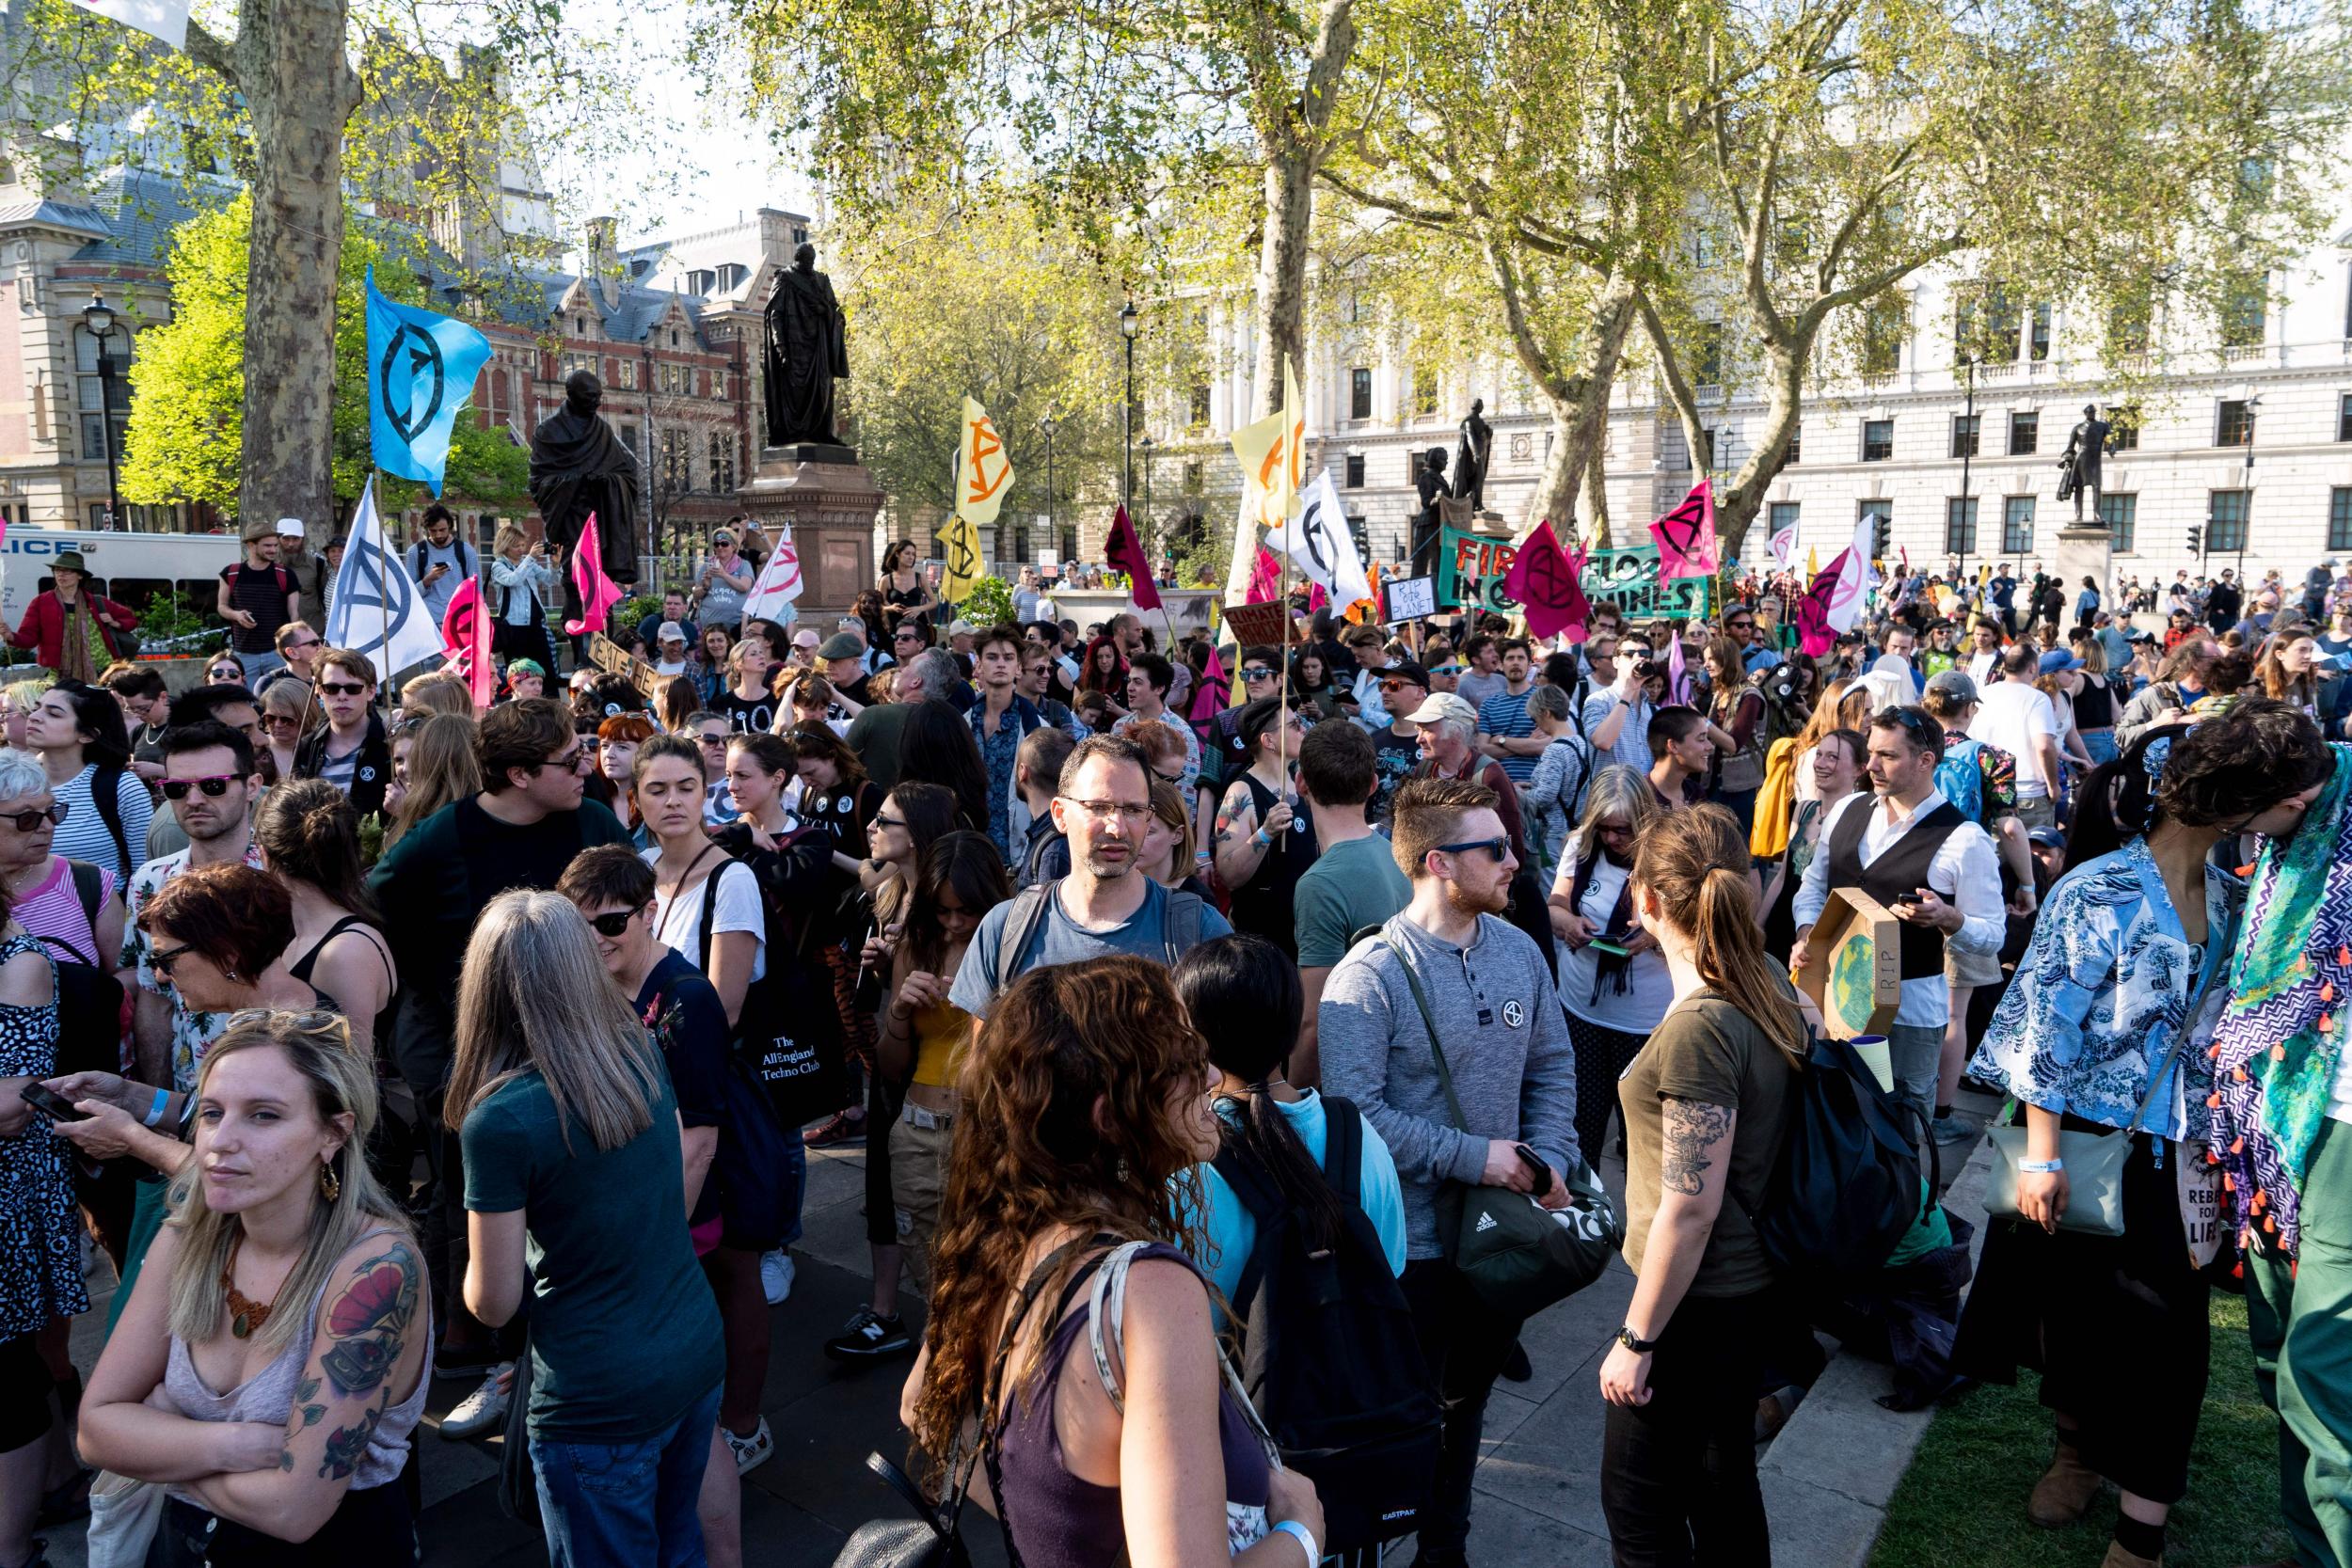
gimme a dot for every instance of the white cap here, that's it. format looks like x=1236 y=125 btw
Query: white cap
x=290 y=528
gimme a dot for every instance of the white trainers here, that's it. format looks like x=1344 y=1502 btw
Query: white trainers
x=752 y=1451
x=484 y=1409
x=775 y=1275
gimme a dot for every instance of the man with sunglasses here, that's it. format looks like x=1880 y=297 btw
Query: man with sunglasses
x=1918 y=854
x=298 y=645
x=350 y=751
x=1403 y=685
x=1260 y=671
x=1492 y=1008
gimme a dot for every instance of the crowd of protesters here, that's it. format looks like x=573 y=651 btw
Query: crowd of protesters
x=371 y=1041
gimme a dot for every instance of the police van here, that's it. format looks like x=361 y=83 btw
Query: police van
x=131 y=568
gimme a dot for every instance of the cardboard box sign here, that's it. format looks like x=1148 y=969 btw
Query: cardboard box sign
x=1855 y=973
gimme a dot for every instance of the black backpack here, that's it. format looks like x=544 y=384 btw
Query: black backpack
x=1845 y=1188
x=1329 y=1352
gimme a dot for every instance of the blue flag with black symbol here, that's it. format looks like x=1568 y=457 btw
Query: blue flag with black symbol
x=420 y=370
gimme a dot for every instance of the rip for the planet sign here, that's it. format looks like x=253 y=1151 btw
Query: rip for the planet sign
x=1470 y=569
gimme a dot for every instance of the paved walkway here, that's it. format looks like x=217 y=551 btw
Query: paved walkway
x=1827 y=1476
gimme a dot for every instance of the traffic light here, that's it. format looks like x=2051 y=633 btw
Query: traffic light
x=2197 y=541
x=1882 y=538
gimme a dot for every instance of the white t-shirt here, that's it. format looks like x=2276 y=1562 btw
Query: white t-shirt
x=1649 y=988
x=678 y=925
x=2016 y=718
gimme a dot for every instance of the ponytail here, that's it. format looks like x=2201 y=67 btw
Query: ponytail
x=1696 y=863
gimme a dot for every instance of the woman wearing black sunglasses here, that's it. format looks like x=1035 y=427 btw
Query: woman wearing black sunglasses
x=84 y=748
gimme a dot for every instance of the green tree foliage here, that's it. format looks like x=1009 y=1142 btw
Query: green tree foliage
x=186 y=435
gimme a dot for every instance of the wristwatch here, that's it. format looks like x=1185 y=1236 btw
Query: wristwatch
x=1634 y=1342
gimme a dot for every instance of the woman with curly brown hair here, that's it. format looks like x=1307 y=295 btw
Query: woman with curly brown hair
x=1087 y=1098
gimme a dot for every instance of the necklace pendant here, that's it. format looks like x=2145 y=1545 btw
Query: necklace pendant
x=240 y=1326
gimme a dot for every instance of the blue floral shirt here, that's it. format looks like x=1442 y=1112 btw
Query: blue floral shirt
x=2102 y=994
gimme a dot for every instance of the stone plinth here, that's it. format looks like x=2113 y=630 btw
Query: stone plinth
x=829 y=502
x=2085 y=549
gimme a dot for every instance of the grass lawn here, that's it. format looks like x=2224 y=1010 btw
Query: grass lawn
x=1964 y=1500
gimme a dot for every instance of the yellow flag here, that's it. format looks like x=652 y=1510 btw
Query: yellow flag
x=1812 y=562
x=959 y=543
x=1984 y=574
x=983 y=471
x=1271 y=453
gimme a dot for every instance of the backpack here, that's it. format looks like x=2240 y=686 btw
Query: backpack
x=89 y=999
x=760 y=1163
x=1180 y=929
x=1959 y=780
x=1845 y=1187
x=788 y=1035
x=1329 y=1354
x=416 y=559
x=1572 y=794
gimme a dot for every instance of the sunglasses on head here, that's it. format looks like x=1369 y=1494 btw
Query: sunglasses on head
x=214 y=785
x=615 y=924
x=26 y=821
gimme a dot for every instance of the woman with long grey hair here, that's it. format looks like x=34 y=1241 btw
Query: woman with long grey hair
x=572 y=1144
x=1612 y=980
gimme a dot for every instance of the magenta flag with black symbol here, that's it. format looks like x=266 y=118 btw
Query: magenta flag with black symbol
x=1124 y=551
x=1686 y=536
x=1543 y=578
x=598 y=592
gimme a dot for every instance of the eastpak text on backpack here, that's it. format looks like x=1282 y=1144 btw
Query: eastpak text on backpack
x=1329 y=1357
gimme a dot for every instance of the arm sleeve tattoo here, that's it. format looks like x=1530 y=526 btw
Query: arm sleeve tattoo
x=1692 y=1128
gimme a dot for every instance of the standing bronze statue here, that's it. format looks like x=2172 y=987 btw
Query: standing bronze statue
x=805 y=349
x=2078 y=464
x=1470 y=456
x=1429 y=484
x=579 y=466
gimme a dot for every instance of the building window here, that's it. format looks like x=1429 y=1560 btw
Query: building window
x=2343 y=417
x=2122 y=515
x=1796 y=445
x=1959 y=526
x=2123 y=427
x=1966 y=428
x=2039 y=346
x=1199 y=406
x=2128 y=323
x=2340 y=519
x=1193 y=478
x=2234 y=426
x=626 y=379
x=1784 y=516
x=2025 y=433
x=2244 y=310
x=2225 y=517
x=1711 y=354
x=1882 y=337
x=1354 y=470
x=722 y=460
x=1986 y=324
x=1360 y=393
x=1424 y=392
x=1875 y=512
x=1877 y=440
x=2017 y=525
x=628 y=439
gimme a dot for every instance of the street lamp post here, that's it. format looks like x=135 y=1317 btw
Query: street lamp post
x=100 y=318
x=1052 y=529
x=1145 y=442
x=1128 y=324
x=1968 y=525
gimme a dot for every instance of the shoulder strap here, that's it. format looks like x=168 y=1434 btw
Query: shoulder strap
x=89 y=888
x=103 y=786
x=1342 y=1148
x=1180 y=925
x=711 y=905
x=1021 y=928
x=1429 y=1021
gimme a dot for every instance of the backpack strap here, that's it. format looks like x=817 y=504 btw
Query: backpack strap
x=1429 y=1021
x=1343 y=1150
x=90 y=890
x=1021 y=928
x=1105 y=1314
x=103 y=787
x=1180 y=925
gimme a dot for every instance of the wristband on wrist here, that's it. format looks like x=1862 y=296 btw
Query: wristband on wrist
x=155 y=1112
x=2040 y=1167
x=1304 y=1536
x=1259 y=839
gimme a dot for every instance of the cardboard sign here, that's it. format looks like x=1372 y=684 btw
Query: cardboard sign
x=1854 y=974
x=1258 y=623
x=1410 y=598
x=607 y=655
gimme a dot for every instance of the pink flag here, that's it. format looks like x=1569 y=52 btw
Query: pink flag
x=1543 y=578
x=1686 y=536
x=1265 y=580
x=598 y=592
x=1816 y=636
x=1124 y=551
x=1677 y=675
x=466 y=634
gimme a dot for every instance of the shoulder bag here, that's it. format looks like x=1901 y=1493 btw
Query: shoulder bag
x=1517 y=1255
x=2094 y=1162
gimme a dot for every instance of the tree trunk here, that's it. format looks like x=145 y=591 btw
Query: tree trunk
x=1596 y=502
x=1282 y=303
x=1736 y=509
x=298 y=90
x=1578 y=403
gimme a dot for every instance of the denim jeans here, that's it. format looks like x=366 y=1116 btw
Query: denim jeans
x=627 y=1505
x=258 y=665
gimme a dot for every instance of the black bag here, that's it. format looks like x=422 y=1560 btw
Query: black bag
x=518 y=1479
x=89 y=999
x=1330 y=1357
x=760 y=1165
x=788 y=1035
x=1517 y=1255
x=1846 y=1185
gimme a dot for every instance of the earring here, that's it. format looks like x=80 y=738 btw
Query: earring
x=229 y=974
x=330 y=1185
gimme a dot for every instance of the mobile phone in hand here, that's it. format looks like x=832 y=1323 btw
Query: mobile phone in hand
x=1536 y=1163
x=49 y=1103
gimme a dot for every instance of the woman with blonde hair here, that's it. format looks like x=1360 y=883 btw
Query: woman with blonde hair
x=442 y=767
x=273 y=1363
x=1705 y=1101
x=1613 y=982
x=2287 y=673
x=1826 y=716
x=1169 y=855
x=576 y=1194
x=2095 y=703
x=521 y=575
x=288 y=716
x=435 y=693
x=1075 y=1154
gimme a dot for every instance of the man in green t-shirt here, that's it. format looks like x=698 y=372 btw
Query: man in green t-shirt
x=1354 y=882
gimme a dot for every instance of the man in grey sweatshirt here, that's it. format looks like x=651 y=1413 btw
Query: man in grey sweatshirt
x=1506 y=1047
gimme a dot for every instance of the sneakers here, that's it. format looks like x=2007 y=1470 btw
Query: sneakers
x=775 y=1275
x=484 y=1408
x=870 y=1337
x=842 y=1128
x=752 y=1451
x=1953 y=1129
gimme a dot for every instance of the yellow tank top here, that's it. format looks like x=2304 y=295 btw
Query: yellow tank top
x=941 y=1031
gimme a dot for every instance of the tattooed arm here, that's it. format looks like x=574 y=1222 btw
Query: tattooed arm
x=1236 y=846
x=1694 y=1157
x=365 y=1357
